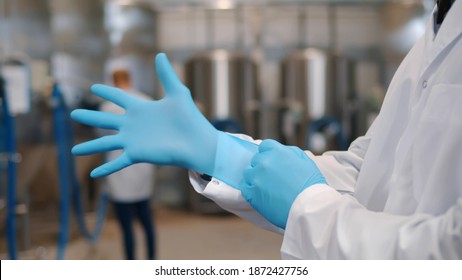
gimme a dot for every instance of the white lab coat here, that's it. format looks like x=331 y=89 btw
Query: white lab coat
x=404 y=175
x=134 y=183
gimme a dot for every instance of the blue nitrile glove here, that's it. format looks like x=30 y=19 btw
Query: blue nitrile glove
x=170 y=131
x=276 y=176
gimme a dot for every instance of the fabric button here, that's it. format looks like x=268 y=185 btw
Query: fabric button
x=424 y=84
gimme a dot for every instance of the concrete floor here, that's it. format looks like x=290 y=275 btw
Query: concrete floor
x=180 y=235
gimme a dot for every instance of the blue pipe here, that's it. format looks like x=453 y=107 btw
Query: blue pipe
x=64 y=195
x=3 y=165
x=67 y=160
x=66 y=169
x=76 y=197
x=12 y=169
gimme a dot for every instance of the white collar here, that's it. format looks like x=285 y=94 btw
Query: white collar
x=450 y=29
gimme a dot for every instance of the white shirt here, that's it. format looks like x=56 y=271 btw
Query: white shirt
x=397 y=192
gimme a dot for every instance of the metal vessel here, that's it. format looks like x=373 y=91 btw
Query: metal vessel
x=224 y=87
x=315 y=84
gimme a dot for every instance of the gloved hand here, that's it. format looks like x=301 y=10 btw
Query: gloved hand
x=276 y=176
x=171 y=131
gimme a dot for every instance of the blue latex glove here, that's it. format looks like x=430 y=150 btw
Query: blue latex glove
x=170 y=131
x=276 y=176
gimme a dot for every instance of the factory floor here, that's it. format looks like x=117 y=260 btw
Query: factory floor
x=180 y=235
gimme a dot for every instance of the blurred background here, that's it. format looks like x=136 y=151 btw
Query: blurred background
x=308 y=73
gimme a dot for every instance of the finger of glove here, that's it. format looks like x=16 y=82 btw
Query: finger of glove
x=114 y=95
x=297 y=151
x=257 y=159
x=97 y=119
x=167 y=75
x=102 y=144
x=246 y=191
x=248 y=175
x=254 y=176
x=268 y=144
x=113 y=166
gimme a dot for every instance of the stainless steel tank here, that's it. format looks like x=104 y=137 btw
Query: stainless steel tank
x=315 y=84
x=224 y=87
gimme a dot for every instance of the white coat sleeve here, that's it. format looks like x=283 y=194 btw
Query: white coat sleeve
x=341 y=168
x=231 y=200
x=324 y=224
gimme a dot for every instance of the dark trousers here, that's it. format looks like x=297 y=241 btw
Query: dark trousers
x=142 y=211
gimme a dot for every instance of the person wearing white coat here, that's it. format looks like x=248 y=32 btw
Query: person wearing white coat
x=397 y=192
x=130 y=190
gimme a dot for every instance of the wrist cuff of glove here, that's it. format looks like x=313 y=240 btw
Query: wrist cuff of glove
x=233 y=155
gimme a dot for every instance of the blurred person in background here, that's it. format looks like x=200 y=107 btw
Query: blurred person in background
x=131 y=189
